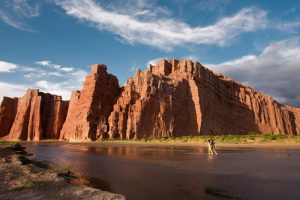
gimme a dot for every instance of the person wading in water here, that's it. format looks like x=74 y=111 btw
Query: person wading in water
x=213 y=146
x=211 y=143
x=209 y=146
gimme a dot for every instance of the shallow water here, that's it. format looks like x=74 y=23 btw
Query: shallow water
x=178 y=172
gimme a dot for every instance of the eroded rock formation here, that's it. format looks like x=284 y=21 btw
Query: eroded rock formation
x=39 y=116
x=90 y=107
x=8 y=110
x=177 y=98
x=173 y=98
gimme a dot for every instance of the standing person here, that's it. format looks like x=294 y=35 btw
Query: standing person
x=209 y=146
x=213 y=146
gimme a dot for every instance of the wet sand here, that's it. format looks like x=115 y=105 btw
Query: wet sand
x=179 y=172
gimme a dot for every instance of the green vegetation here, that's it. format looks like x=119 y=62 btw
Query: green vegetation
x=7 y=143
x=250 y=138
x=25 y=183
x=64 y=172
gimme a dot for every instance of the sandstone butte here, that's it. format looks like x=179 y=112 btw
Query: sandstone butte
x=36 y=116
x=172 y=98
x=89 y=108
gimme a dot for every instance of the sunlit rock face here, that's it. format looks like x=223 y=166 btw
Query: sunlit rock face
x=172 y=98
x=38 y=116
x=8 y=110
x=89 y=108
x=177 y=98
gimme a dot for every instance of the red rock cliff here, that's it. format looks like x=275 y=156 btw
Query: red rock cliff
x=90 y=107
x=8 y=110
x=177 y=98
x=39 y=116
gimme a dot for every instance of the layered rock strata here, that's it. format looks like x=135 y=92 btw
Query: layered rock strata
x=172 y=98
x=177 y=98
x=39 y=116
x=8 y=110
x=89 y=108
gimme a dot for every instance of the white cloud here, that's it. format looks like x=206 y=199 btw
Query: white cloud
x=11 y=90
x=79 y=75
x=24 y=8
x=48 y=63
x=43 y=62
x=289 y=26
x=275 y=70
x=164 y=33
x=153 y=62
x=70 y=79
x=11 y=22
x=7 y=66
x=14 y=12
x=139 y=8
x=67 y=69
x=62 y=89
x=60 y=81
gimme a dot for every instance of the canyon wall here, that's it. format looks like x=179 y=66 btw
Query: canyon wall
x=89 y=108
x=177 y=98
x=8 y=110
x=172 y=98
x=39 y=116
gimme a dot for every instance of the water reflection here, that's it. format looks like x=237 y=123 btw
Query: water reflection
x=173 y=172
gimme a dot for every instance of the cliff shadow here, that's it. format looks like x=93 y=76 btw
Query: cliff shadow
x=222 y=110
x=186 y=120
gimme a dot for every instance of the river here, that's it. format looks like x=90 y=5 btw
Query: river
x=143 y=172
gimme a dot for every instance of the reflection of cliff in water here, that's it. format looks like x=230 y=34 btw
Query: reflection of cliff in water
x=174 y=172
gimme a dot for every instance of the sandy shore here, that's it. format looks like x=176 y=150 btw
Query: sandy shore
x=24 y=179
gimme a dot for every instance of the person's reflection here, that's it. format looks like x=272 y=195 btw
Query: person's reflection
x=210 y=157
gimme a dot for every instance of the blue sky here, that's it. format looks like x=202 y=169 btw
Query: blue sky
x=50 y=44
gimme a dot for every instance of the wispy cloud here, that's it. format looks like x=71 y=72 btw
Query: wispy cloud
x=288 y=26
x=11 y=90
x=62 y=89
x=275 y=70
x=153 y=62
x=55 y=66
x=161 y=32
x=7 y=66
x=15 y=12
x=217 y=7
x=54 y=79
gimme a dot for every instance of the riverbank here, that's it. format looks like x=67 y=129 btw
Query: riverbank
x=22 y=178
x=250 y=140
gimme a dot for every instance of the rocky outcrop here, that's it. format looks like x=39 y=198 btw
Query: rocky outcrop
x=177 y=98
x=172 y=98
x=8 y=110
x=89 y=108
x=39 y=116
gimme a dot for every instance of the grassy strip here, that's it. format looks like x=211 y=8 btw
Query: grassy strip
x=7 y=143
x=251 y=138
